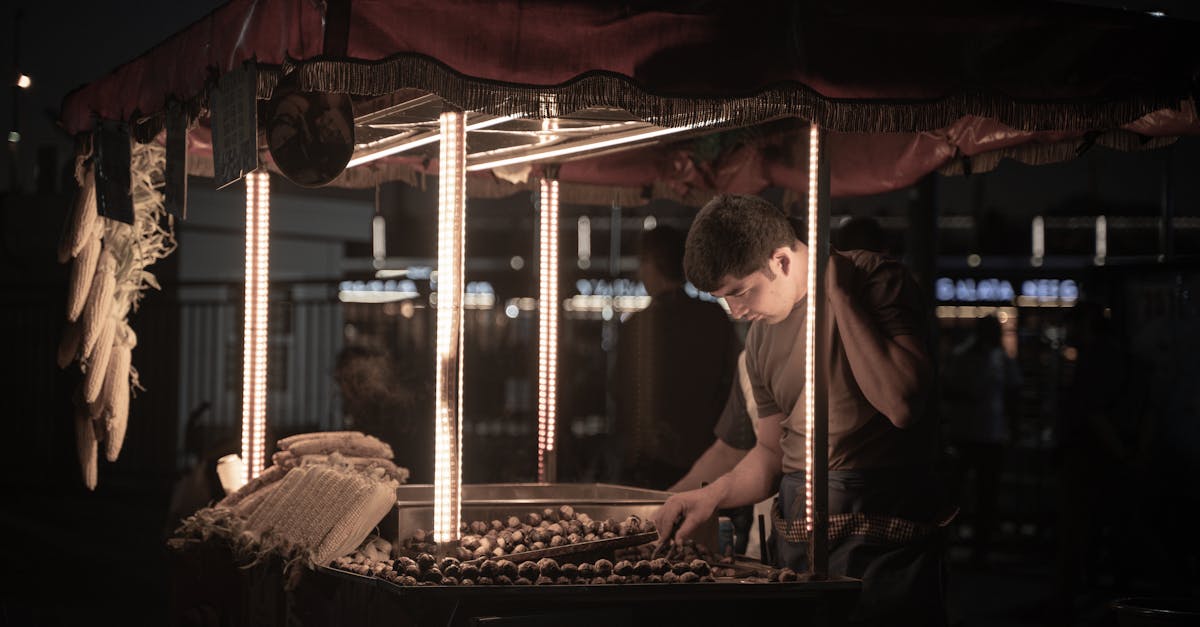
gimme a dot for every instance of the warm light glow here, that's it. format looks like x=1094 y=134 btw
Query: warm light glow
x=448 y=369
x=810 y=339
x=254 y=336
x=584 y=238
x=24 y=81
x=1101 y=240
x=1039 y=240
x=624 y=138
x=547 y=323
x=387 y=147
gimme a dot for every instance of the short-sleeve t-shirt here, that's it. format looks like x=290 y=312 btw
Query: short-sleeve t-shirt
x=735 y=426
x=860 y=437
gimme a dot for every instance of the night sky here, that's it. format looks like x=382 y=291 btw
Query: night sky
x=64 y=44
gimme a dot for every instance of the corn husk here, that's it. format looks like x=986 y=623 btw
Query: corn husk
x=116 y=414
x=80 y=222
x=98 y=363
x=285 y=443
x=353 y=444
x=82 y=271
x=68 y=345
x=99 y=305
x=88 y=448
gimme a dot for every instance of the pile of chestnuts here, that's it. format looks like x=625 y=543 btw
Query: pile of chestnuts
x=426 y=570
x=549 y=528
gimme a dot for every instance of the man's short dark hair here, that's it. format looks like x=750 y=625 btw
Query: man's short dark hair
x=734 y=235
x=663 y=246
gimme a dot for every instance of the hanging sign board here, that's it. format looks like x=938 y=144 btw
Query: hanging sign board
x=235 y=125
x=175 y=176
x=113 y=198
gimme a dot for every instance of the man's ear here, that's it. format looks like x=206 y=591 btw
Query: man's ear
x=785 y=260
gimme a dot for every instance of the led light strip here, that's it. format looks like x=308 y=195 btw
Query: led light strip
x=448 y=369
x=547 y=325
x=254 y=335
x=577 y=148
x=810 y=336
x=386 y=148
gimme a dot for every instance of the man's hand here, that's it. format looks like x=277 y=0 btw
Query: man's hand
x=695 y=507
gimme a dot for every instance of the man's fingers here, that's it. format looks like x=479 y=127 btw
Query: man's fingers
x=689 y=524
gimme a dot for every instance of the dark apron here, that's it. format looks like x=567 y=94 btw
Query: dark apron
x=901 y=570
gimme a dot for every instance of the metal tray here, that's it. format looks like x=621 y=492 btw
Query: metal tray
x=490 y=501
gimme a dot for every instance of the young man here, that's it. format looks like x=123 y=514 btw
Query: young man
x=882 y=446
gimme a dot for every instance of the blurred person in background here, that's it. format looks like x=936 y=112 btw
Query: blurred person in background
x=675 y=365
x=980 y=385
x=378 y=401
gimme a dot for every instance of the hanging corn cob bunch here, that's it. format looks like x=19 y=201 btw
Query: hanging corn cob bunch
x=108 y=278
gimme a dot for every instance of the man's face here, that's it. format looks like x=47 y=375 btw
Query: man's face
x=757 y=296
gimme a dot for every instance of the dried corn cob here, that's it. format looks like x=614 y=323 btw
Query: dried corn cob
x=356 y=445
x=82 y=272
x=313 y=493
x=271 y=509
x=98 y=363
x=305 y=526
x=68 y=346
x=85 y=442
x=80 y=222
x=116 y=415
x=358 y=522
x=283 y=458
x=99 y=305
x=267 y=477
x=292 y=439
x=399 y=473
x=247 y=506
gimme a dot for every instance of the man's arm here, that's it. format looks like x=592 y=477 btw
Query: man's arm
x=718 y=459
x=750 y=481
x=894 y=373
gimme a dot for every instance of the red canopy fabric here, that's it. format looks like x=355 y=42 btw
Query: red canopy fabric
x=873 y=67
x=910 y=94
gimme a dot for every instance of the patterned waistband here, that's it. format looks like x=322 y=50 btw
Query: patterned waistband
x=881 y=528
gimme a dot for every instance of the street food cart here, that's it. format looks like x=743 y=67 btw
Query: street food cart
x=494 y=98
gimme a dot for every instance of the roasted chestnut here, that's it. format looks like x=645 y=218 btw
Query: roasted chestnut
x=604 y=568
x=689 y=577
x=549 y=568
x=528 y=570
x=507 y=568
x=425 y=561
x=700 y=567
x=623 y=568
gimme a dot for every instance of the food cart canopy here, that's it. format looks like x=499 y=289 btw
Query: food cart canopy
x=905 y=94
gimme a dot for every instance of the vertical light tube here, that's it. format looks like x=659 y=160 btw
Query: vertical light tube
x=1039 y=240
x=810 y=342
x=584 y=244
x=1101 y=240
x=816 y=373
x=448 y=369
x=254 y=334
x=547 y=328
